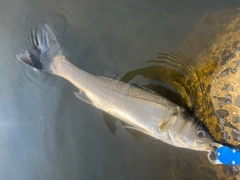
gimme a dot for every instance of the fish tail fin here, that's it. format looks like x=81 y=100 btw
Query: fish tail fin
x=47 y=49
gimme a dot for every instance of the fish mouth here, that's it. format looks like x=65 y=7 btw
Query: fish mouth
x=208 y=147
x=214 y=144
x=205 y=146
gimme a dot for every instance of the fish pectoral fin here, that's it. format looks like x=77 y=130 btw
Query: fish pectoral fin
x=176 y=111
x=143 y=88
x=82 y=95
x=167 y=123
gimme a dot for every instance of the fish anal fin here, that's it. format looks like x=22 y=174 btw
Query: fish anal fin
x=83 y=96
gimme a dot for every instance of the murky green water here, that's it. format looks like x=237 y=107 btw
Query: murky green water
x=45 y=131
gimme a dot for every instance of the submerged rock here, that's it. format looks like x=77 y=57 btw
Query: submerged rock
x=236 y=119
x=213 y=49
x=226 y=136
x=205 y=71
x=222 y=121
x=225 y=100
x=227 y=87
x=224 y=73
x=236 y=134
x=222 y=113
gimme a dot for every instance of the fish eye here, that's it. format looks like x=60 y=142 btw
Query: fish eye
x=201 y=133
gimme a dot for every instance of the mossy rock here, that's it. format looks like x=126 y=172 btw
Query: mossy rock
x=213 y=51
x=204 y=71
x=211 y=84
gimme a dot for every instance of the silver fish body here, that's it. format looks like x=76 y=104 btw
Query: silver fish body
x=143 y=110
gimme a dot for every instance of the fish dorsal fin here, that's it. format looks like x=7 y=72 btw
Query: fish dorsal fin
x=143 y=88
x=111 y=75
x=106 y=78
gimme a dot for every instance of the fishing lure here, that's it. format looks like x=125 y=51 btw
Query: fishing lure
x=225 y=155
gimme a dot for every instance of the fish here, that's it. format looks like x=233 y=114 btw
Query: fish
x=142 y=109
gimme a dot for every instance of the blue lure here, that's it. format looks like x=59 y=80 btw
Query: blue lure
x=225 y=155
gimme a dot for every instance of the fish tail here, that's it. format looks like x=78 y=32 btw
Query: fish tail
x=43 y=56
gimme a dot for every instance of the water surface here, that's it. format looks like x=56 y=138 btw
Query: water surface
x=45 y=131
